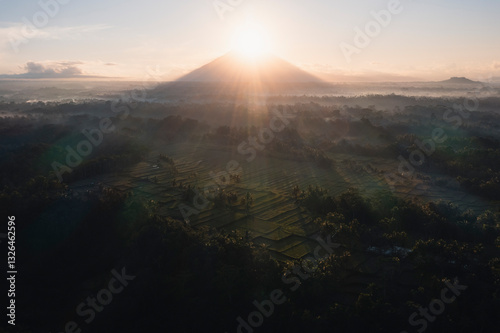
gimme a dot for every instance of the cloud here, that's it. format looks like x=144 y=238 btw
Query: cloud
x=32 y=67
x=14 y=35
x=38 y=70
x=53 y=70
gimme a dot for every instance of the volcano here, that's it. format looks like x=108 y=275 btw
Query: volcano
x=235 y=68
x=234 y=77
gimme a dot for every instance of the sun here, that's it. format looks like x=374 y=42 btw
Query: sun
x=251 y=42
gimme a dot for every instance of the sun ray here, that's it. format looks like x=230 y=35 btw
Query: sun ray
x=251 y=42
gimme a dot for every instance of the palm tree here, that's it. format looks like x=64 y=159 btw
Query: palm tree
x=248 y=202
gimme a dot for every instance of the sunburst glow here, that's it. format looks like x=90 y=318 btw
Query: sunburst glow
x=251 y=41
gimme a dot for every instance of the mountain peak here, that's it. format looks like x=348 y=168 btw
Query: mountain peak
x=236 y=68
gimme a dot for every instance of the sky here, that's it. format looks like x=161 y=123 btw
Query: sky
x=420 y=40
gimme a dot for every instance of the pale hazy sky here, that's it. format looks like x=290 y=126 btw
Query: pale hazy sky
x=427 y=40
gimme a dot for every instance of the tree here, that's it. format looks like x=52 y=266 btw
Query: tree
x=248 y=202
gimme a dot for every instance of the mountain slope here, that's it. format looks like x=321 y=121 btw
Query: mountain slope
x=235 y=68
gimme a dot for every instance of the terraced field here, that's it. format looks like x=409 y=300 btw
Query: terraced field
x=274 y=219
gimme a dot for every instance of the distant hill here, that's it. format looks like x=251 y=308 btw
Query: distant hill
x=459 y=80
x=233 y=68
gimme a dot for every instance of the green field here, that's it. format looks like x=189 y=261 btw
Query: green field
x=274 y=219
